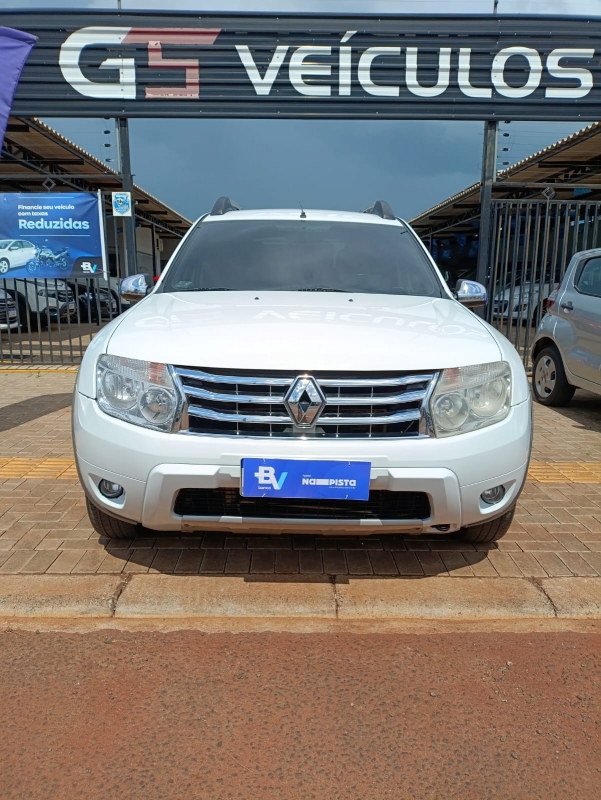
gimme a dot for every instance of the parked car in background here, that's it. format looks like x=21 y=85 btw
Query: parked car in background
x=566 y=354
x=94 y=303
x=15 y=253
x=524 y=302
x=8 y=312
x=302 y=371
x=39 y=301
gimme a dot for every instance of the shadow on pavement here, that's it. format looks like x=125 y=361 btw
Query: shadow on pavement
x=293 y=557
x=33 y=408
x=584 y=409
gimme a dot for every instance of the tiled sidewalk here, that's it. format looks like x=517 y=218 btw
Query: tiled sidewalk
x=44 y=526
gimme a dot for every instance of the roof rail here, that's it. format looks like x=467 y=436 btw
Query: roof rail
x=222 y=206
x=381 y=209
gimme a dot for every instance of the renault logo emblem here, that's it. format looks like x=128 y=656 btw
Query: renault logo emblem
x=304 y=401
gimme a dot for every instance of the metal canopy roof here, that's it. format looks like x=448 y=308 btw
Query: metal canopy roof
x=572 y=163
x=33 y=153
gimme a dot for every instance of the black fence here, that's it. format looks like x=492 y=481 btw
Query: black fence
x=52 y=321
x=531 y=246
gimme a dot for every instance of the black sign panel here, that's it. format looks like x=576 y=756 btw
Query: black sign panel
x=307 y=66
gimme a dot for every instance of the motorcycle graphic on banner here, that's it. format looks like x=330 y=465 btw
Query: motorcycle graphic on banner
x=51 y=235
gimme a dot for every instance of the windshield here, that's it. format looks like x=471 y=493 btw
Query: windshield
x=290 y=255
x=4 y=243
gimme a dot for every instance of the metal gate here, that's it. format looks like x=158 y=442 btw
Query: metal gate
x=532 y=243
x=52 y=321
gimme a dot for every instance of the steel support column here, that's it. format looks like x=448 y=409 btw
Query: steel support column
x=489 y=174
x=127 y=181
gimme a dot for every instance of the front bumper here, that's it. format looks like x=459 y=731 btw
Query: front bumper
x=152 y=467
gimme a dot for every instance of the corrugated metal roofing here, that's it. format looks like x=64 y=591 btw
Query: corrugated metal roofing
x=33 y=152
x=576 y=159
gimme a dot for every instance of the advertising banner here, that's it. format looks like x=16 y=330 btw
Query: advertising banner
x=298 y=65
x=15 y=46
x=51 y=235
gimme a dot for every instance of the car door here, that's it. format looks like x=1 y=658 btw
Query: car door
x=28 y=251
x=579 y=326
x=15 y=254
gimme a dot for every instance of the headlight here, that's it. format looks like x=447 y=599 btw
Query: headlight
x=468 y=398
x=140 y=392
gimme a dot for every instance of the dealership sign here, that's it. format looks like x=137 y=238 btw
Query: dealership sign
x=313 y=66
x=51 y=235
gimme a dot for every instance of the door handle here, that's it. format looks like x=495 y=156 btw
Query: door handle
x=567 y=306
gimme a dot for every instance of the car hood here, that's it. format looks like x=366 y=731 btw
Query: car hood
x=302 y=331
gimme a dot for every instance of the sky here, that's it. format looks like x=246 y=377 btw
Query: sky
x=317 y=163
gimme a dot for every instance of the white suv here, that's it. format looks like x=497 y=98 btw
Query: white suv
x=302 y=371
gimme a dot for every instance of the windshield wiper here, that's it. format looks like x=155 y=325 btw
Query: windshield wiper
x=204 y=289
x=321 y=289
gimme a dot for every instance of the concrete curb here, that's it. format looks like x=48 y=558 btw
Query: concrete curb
x=223 y=596
x=59 y=595
x=574 y=598
x=443 y=598
x=270 y=597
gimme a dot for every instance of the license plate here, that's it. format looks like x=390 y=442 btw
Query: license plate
x=323 y=480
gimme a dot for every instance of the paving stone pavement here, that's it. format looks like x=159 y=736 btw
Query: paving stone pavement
x=44 y=527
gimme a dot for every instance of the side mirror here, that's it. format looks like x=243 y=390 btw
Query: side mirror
x=470 y=294
x=134 y=288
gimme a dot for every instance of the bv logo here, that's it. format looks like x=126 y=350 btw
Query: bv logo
x=87 y=267
x=266 y=477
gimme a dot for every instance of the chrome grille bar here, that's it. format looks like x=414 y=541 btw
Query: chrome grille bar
x=260 y=419
x=250 y=380
x=367 y=383
x=345 y=383
x=266 y=399
x=217 y=397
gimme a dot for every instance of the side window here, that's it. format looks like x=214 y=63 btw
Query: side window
x=589 y=278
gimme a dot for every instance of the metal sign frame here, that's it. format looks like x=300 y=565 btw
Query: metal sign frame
x=464 y=67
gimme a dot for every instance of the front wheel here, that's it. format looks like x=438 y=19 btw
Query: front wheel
x=4 y=266
x=490 y=531
x=549 y=383
x=111 y=527
x=33 y=266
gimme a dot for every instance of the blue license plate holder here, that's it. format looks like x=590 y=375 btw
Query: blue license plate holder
x=318 y=480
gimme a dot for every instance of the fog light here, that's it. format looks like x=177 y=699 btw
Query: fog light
x=492 y=496
x=110 y=489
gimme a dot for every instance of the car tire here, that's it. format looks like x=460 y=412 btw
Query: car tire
x=550 y=386
x=488 y=531
x=4 y=266
x=111 y=527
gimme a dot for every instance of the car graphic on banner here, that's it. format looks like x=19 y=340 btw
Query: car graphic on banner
x=51 y=235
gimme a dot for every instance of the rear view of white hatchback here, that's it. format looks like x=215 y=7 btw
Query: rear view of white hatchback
x=302 y=371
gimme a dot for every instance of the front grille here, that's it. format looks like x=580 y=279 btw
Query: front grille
x=251 y=403
x=229 y=503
